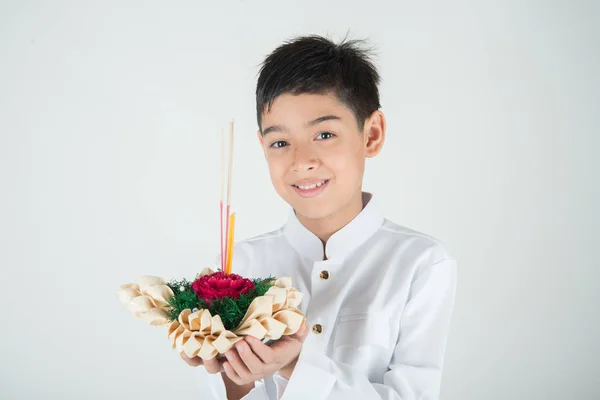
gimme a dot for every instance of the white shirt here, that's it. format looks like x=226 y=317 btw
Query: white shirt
x=384 y=310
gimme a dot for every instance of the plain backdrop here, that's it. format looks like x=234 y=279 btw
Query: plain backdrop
x=109 y=120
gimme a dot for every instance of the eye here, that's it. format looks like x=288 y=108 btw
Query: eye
x=278 y=144
x=325 y=135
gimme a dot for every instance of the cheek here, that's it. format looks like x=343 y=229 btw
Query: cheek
x=276 y=170
x=347 y=163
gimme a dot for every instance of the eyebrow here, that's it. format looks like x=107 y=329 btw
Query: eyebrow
x=282 y=128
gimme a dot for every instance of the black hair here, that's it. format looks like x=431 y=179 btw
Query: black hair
x=316 y=65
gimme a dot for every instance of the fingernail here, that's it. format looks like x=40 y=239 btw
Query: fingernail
x=240 y=348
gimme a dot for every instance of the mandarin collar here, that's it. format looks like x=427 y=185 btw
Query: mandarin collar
x=342 y=242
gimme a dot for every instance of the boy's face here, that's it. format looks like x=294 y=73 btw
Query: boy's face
x=316 y=152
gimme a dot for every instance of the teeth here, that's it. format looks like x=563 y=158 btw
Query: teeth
x=314 y=185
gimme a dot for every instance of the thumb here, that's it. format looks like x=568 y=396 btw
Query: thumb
x=302 y=333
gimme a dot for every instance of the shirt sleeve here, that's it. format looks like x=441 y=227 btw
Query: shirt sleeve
x=415 y=370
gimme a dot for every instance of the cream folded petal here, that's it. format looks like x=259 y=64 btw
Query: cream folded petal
x=205 y=271
x=274 y=329
x=205 y=322
x=140 y=304
x=156 y=316
x=183 y=318
x=294 y=298
x=291 y=318
x=146 y=282
x=279 y=296
x=283 y=282
x=172 y=327
x=225 y=341
x=259 y=308
x=175 y=333
x=216 y=325
x=254 y=328
x=194 y=321
x=208 y=351
x=160 y=293
x=128 y=292
x=192 y=347
x=181 y=339
x=147 y=299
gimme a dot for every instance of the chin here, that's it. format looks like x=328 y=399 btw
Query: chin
x=311 y=209
x=308 y=213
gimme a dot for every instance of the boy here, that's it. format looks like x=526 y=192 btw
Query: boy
x=377 y=296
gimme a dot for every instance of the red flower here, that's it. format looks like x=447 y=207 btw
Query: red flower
x=218 y=285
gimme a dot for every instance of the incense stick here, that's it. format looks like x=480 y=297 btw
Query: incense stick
x=230 y=167
x=222 y=253
x=230 y=244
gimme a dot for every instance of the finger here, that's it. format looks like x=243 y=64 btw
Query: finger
x=212 y=366
x=254 y=364
x=302 y=332
x=264 y=352
x=238 y=365
x=193 y=362
x=231 y=374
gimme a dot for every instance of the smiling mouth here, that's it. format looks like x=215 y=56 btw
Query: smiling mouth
x=313 y=186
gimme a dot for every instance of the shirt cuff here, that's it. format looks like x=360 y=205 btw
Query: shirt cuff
x=258 y=393
x=309 y=381
x=281 y=383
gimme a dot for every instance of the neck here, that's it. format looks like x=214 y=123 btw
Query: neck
x=325 y=227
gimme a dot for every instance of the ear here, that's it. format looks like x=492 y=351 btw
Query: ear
x=261 y=142
x=374 y=133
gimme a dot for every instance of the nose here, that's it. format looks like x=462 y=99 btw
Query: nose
x=305 y=158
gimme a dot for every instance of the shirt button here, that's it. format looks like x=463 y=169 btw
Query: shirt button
x=324 y=275
x=317 y=328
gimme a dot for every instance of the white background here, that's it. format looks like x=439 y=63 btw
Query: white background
x=109 y=121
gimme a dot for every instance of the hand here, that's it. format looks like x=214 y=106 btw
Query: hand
x=213 y=366
x=251 y=360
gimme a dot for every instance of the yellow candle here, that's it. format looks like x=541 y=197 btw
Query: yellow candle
x=230 y=243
